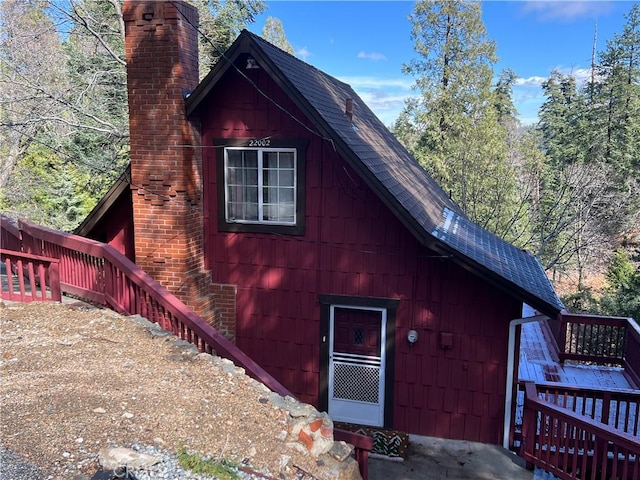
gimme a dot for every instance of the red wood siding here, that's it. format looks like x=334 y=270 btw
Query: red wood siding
x=353 y=245
x=116 y=226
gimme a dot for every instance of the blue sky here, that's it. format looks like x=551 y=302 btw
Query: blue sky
x=365 y=43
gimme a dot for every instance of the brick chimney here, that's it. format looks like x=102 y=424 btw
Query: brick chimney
x=161 y=43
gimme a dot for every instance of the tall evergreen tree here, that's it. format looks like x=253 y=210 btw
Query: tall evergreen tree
x=273 y=32
x=454 y=127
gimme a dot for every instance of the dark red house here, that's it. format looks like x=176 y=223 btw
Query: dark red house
x=273 y=200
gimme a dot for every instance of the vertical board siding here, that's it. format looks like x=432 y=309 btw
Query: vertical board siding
x=354 y=245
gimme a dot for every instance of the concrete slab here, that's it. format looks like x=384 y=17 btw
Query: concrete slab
x=436 y=458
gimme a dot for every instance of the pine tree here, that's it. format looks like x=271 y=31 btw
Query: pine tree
x=273 y=32
x=454 y=128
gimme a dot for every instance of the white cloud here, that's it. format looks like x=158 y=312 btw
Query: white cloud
x=303 y=53
x=375 y=56
x=567 y=10
x=580 y=74
x=530 y=81
x=528 y=95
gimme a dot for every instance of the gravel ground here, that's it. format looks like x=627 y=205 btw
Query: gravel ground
x=76 y=379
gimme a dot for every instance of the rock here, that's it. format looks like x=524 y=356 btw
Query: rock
x=284 y=461
x=188 y=349
x=314 y=431
x=99 y=410
x=341 y=450
x=114 y=458
x=339 y=470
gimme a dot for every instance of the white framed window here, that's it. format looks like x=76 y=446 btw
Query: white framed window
x=260 y=185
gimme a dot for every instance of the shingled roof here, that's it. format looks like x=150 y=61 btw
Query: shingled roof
x=392 y=172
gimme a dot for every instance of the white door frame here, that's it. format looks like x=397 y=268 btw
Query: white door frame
x=369 y=369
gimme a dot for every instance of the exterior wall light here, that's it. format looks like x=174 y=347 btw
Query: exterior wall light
x=412 y=336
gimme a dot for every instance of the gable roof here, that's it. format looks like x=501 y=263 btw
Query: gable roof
x=391 y=171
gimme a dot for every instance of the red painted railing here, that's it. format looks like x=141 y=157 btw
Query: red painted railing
x=571 y=446
x=97 y=273
x=9 y=234
x=619 y=409
x=598 y=339
x=29 y=278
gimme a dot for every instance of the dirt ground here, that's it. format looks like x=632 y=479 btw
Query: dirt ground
x=77 y=379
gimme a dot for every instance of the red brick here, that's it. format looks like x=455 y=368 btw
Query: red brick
x=315 y=425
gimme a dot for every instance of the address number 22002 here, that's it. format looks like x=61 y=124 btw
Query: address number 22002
x=260 y=142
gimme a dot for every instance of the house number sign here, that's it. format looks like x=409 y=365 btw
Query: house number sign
x=260 y=142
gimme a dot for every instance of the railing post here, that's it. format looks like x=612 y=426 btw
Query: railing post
x=563 y=338
x=54 y=282
x=527 y=445
x=606 y=407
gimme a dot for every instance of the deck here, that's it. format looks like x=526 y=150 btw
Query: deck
x=540 y=364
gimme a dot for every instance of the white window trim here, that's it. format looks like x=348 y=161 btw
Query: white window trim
x=260 y=186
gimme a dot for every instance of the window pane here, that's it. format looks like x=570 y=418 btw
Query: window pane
x=234 y=158
x=270 y=160
x=285 y=178
x=251 y=211
x=287 y=214
x=268 y=212
x=286 y=195
x=243 y=211
x=251 y=176
x=286 y=160
x=270 y=177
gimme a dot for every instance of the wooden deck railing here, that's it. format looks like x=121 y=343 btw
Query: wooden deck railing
x=619 y=409
x=29 y=278
x=96 y=272
x=599 y=339
x=571 y=446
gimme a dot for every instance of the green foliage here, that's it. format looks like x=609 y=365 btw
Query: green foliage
x=622 y=298
x=454 y=129
x=63 y=93
x=273 y=32
x=568 y=188
x=503 y=100
x=221 y=21
x=622 y=272
x=223 y=469
x=47 y=190
x=590 y=138
x=581 y=301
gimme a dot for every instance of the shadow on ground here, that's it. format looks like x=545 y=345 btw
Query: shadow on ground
x=435 y=458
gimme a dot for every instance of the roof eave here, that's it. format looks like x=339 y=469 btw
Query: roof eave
x=120 y=186
x=224 y=63
x=505 y=285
